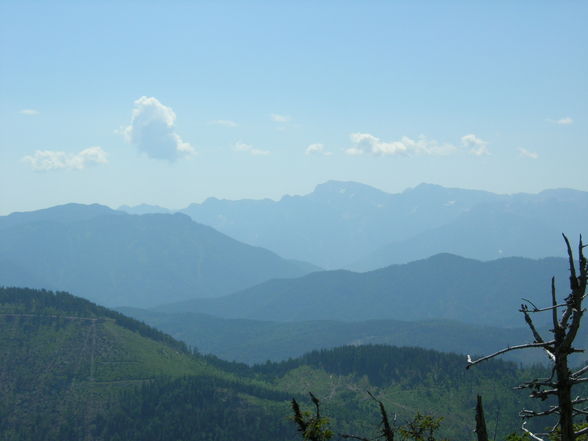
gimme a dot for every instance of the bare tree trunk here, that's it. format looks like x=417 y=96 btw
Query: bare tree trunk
x=481 y=431
x=565 y=329
x=564 y=395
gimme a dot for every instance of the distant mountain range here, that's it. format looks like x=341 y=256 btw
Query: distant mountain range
x=444 y=287
x=119 y=259
x=355 y=226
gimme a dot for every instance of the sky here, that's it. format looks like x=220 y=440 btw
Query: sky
x=171 y=102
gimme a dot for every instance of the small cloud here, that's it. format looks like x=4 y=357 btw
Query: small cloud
x=280 y=118
x=365 y=143
x=152 y=131
x=317 y=149
x=477 y=146
x=354 y=151
x=223 y=122
x=242 y=147
x=46 y=160
x=527 y=154
x=565 y=121
x=29 y=112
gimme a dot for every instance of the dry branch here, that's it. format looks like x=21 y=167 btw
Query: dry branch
x=565 y=330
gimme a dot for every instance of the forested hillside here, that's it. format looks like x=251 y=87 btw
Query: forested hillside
x=71 y=370
x=256 y=341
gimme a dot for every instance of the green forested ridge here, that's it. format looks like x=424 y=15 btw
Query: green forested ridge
x=64 y=361
x=71 y=370
x=256 y=341
x=62 y=304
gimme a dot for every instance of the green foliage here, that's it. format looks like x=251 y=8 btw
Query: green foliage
x=518 y=437
x=313 y=427
x=71 y=370
x=262 y=340
x=195 y=409
x=421 y=428
x=62 y=304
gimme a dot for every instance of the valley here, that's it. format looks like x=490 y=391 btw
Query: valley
x=233 y=331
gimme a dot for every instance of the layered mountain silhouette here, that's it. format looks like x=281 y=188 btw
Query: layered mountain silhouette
x=118 y=259
x=444 y=286
x=518 y=225
x=355 y=226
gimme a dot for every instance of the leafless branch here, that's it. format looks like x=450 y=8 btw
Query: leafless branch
x=543 y=394
x=531 y=434
x=510 y=348
x=531 y=303
x=525 y=413
x=581 y=371
x=538 y=338
x=547 y=308
x=535 y=383
x=573 y=277
x=554 y=305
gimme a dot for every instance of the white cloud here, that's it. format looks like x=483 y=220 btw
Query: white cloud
x=365 y=143
x=223 y=122
x=354 y=151
x=477 y=146
x=152 y=131
x=280 y=118
x=527 y=154
x=29 y=112
x=317 y=149
x=46 y=160
x=242 y=147
x=565 y=121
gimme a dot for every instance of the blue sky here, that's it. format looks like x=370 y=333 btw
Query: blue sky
x=171 y=102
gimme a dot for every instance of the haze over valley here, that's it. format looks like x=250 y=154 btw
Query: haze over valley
x=293 y=220
x=170 y=265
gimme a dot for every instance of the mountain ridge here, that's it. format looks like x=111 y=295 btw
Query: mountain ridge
x=444 y=286
x=116 y=258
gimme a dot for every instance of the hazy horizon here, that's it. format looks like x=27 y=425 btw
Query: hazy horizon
x=274 y=199
x=170 y=103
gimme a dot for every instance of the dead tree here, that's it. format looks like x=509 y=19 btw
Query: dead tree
x=481 y=432
x=317 y=428
x=566 y=318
